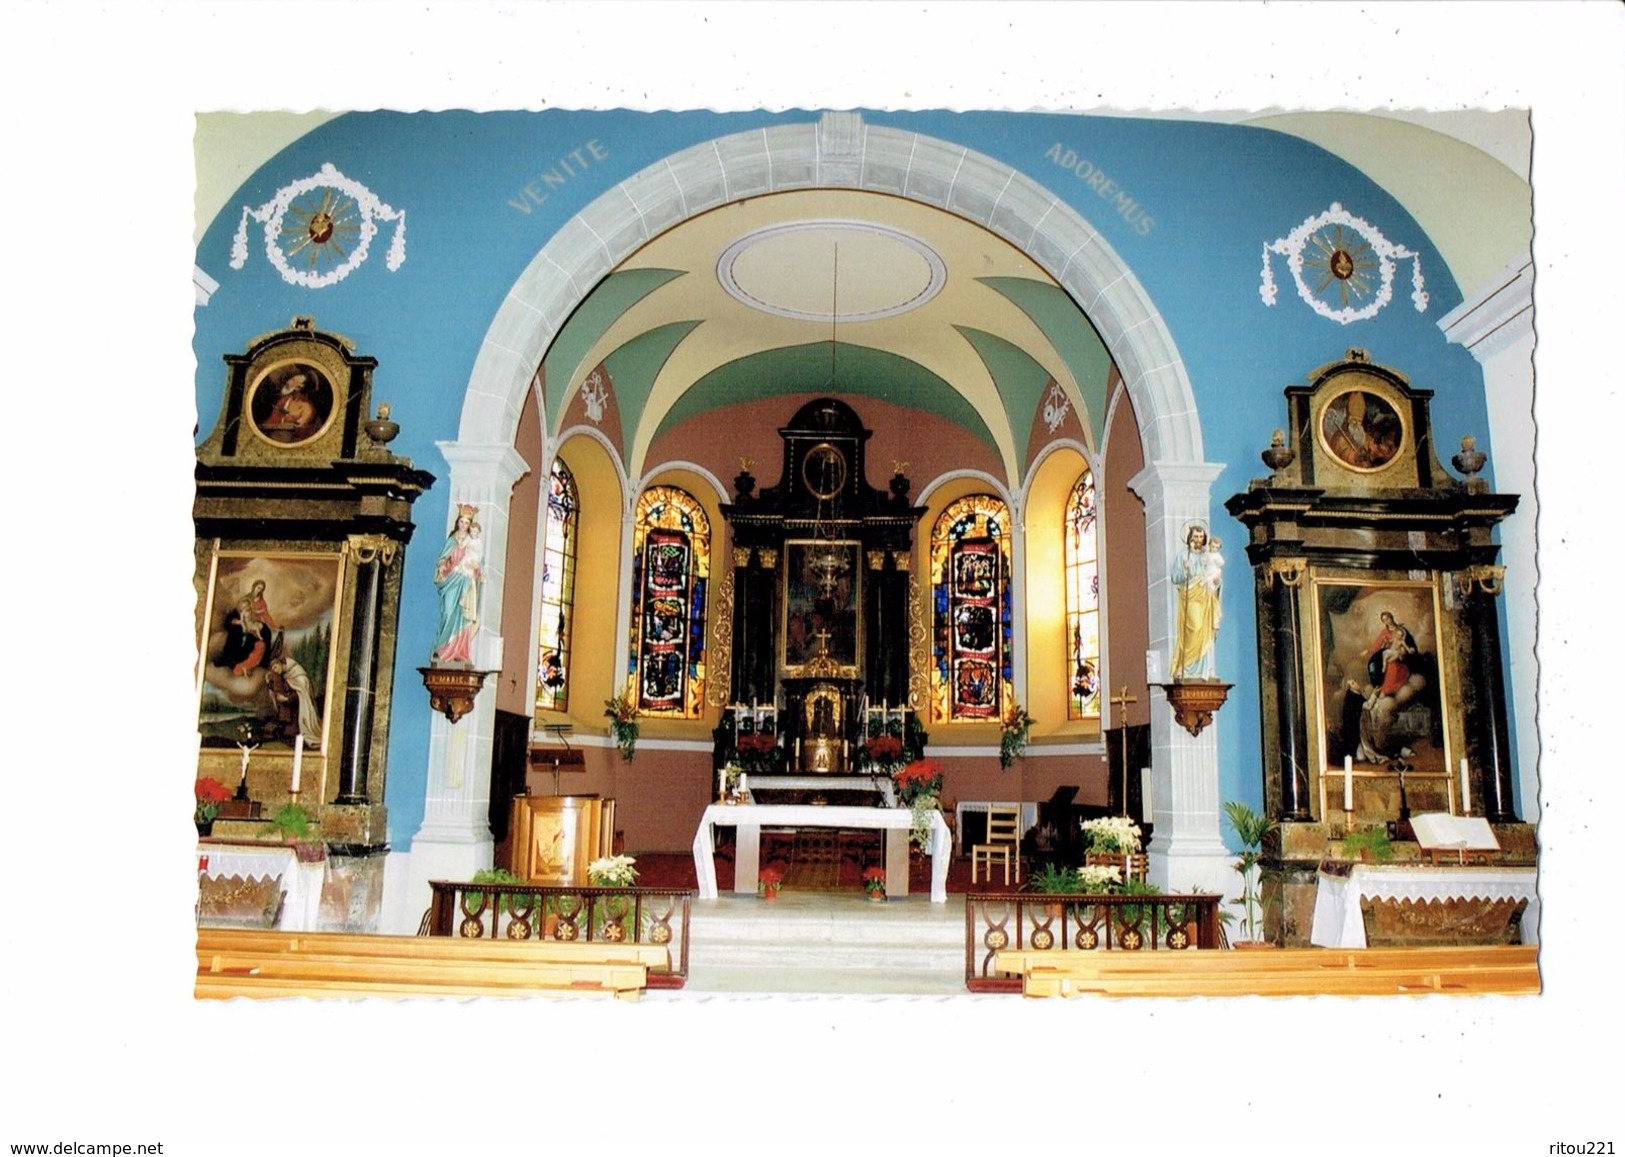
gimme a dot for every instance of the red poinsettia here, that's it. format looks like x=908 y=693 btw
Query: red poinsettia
x=921 y=778
x=874 y=879
x=883 y=749
x=758 y=746
x=210 y=793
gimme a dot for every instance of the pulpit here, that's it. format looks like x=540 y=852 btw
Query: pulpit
x=555 y=837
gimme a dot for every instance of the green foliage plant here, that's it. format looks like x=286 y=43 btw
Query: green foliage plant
x=1368 y=843
x=1251 y=829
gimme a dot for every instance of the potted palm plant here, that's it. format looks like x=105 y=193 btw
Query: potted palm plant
x=1251 y=829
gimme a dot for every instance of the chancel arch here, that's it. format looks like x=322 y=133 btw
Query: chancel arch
x=843 y=153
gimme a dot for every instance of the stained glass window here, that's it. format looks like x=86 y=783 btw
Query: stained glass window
x=971 y=648
x=671 y=561
x=1082 y=563
x=558 y=563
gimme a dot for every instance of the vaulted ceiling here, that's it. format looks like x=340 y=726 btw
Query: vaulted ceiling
x=833 y=292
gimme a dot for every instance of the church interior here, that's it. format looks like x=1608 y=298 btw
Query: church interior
x=976 y=434
x=1106 y=466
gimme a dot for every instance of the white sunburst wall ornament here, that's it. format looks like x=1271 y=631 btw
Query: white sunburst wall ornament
x=1351 y=261
x=324 y=222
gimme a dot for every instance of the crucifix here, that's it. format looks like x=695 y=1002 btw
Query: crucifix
x=1121 y=700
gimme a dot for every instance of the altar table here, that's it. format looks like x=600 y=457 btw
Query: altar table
x=879 y=783
x=301 y=882
x=1338 y=923
x=750 y=819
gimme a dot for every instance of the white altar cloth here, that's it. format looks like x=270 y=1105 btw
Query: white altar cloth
x=1338 y=924
x=750 y=819
x=302 y=882
x=880 y=783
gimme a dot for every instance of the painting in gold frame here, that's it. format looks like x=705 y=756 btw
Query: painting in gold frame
x=266 y=661
x=1381 y=693
x=822 y=603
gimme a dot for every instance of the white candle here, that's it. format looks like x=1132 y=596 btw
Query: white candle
x=245 y=763
x=1348 y=783
x=298 y=759
x=1466 y=790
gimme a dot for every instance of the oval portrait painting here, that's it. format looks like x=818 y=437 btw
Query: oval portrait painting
x=291 y=403
x=1362 y=430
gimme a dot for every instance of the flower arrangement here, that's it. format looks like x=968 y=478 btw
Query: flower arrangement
x=622 y=713
x=209 y=793
x=1094 y=878
x=755 y=752
x=923 y=777
x=1112 y=834
x=874 y=881
x=1013 y=735
x=769 y=881
x=918 y=786
x=883 y=752
x=612 y=872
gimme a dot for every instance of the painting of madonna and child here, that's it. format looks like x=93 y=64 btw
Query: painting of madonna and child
x=265 y=653
x=1380 y=689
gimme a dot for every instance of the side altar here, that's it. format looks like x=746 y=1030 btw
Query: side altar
x=1376 y=580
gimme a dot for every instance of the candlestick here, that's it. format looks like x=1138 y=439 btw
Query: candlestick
x=298 y=762
x=1466 y=790
x=1348 y=783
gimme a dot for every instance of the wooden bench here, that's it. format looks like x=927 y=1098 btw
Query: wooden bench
x=654 y=956
x=1282 y=972
x=313 y=964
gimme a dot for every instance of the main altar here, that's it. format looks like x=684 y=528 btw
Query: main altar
x=821 y=594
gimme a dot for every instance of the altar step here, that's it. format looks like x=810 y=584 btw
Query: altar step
x=826 y=942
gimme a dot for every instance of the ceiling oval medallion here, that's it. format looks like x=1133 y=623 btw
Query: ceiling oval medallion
x=819 y=270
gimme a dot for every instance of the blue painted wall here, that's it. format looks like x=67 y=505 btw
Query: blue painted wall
x=1206 y=199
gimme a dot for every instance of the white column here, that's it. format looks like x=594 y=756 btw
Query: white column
x=1497 y=327
x=1187 y=849
x=455 y=841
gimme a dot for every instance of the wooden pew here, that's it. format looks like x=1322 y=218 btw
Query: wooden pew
x=1250 y=960
x=1283 y=972
x=278 y=964
x=654 y=956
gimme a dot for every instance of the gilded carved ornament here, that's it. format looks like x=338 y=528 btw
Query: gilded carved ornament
x=1288 y=571
x=368 y=547
x=1488 y=578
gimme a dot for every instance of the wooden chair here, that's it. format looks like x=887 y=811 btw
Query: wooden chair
x=1002 y=842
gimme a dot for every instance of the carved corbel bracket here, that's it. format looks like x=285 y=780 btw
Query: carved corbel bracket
x=452 y=690
x=1195 y=702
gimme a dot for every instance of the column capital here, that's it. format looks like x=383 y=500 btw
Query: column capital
x=475 y=465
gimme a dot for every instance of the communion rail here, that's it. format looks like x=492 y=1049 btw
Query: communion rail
x=527 y=912
x=995 y=922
